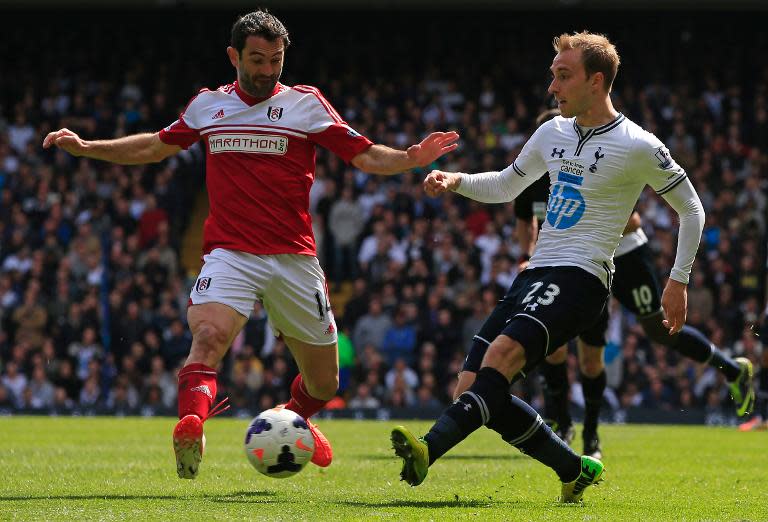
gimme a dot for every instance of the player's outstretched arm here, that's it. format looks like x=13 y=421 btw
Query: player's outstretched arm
x=129 y=150
x=380 y=159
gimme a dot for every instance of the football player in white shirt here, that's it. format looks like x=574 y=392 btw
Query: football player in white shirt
x=636 y=287
x=599 y=162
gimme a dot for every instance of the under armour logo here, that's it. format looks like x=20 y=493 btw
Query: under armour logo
x=203 y=388
x=593 y=167
x=467 y=407
x=559 y=153
x=531 y=306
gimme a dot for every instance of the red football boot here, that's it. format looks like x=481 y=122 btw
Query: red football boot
x=189 y=442
x=323 y=454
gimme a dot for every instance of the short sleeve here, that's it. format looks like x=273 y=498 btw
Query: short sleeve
x=652 y=162
x=529 y=161
x=179 y=133
x=326 y=128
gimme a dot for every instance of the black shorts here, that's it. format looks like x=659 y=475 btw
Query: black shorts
x=635 y=286
x=544 y=308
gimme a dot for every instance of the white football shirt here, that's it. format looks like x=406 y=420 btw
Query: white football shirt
x=597 y=175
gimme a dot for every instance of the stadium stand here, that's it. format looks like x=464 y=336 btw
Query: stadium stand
x=93 y=286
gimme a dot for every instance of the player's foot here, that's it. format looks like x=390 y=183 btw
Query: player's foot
x=752 y=424
x=189 y=441
x=742 y=389
x=592 y=471
x=592 y=446
x=414 y=453
x=188 y=444
x=323 y=454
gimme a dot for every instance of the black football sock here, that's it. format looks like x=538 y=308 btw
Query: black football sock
x=556 y=392
x=695 y=345
x=471 y=410
x=593 y=388
x=520 y=425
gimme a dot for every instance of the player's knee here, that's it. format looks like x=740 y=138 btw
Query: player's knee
x=656 y=331
x=209 y=339
x=505 y=355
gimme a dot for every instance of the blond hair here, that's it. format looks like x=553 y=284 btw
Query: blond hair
x=598 y=54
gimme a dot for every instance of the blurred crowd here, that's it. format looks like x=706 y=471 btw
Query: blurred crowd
x=93 y=295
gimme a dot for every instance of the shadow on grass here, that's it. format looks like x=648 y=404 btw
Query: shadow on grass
x=236 y=496
x=510 y=456
x=470 y=503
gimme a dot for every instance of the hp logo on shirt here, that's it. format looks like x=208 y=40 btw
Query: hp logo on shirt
x=566 y=206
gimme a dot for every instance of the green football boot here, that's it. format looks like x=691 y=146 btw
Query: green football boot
x=743 y=389
x=592 y=471
x=414 y=453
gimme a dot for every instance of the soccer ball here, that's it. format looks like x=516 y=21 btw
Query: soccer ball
x=278 y=443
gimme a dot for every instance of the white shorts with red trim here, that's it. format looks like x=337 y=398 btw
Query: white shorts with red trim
x=291 y=287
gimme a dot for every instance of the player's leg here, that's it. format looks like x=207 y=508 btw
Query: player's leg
x=693 y=344
x=491 y=329
x=591 y=343
x=298 y=308
x=557 y=415
x=636 y=287
x=522 y=345
x=213 y=326
x=220 y=303
x=313 y=387
x=593 y=383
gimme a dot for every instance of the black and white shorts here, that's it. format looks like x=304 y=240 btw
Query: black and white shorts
x=635 y=286
x=544 y=308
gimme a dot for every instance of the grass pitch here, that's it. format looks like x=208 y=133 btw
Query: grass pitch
x=118 y=469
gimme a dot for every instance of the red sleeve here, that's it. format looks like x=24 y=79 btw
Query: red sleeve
x=342 y=140
x=179 y=133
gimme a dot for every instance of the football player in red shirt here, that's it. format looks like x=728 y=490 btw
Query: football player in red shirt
x=260 y=137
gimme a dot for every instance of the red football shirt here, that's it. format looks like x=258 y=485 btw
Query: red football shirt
x=260 y=163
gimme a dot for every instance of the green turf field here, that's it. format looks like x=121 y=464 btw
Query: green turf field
x=117 y=469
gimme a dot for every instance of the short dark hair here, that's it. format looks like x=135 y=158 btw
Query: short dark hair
x=258 y=23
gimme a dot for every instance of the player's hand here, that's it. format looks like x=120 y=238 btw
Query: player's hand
x=674 y=302
x=66 y=140
x=438 y=182
x=432 y=147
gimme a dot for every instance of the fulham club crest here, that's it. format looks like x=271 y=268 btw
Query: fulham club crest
x=203 y=284
x=274 y=113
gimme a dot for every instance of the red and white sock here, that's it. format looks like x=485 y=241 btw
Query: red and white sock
x=197 y=390
x=301 y=401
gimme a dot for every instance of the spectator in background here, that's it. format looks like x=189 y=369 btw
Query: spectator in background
x=15 y=383
x=41 y=391
x=399 y=341
x=362 y=399
x=30 y=319
x=372 y=327
x=345 y=223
